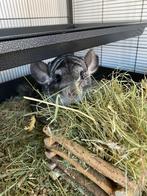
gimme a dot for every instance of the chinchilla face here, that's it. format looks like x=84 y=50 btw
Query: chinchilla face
x=68 y=75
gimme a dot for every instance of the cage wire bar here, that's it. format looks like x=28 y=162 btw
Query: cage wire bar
x=127 y=54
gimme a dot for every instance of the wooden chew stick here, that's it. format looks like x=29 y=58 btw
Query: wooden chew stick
x=98 y=164
x=99 y=180
x=47 y=130
x=79 y=179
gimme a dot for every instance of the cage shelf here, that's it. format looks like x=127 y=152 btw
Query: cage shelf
x=19 y=46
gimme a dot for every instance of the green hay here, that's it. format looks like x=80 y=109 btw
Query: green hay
x=23 y=166
x=111 y=122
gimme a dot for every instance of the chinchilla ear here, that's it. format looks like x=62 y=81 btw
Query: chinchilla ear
x=39 y=72
x=92 y=61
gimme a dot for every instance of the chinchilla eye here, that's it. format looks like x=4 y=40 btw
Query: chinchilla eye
x=58 y=78
x=82 y=74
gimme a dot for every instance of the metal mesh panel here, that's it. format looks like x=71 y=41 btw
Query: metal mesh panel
x=23 y=13
x=87 y=11
x=14 y=73
x=20 y=13
x=130 y=54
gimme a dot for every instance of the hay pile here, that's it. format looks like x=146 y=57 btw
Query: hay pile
x=23 y=167
x=111 y=122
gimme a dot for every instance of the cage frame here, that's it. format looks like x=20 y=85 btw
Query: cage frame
x=33 y=44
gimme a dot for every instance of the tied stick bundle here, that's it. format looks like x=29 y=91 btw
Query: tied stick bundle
x=111 y=122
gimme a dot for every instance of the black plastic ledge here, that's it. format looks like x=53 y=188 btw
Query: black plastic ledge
x=31 y=44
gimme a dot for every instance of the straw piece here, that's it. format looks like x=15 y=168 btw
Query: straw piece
x=60 y=106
